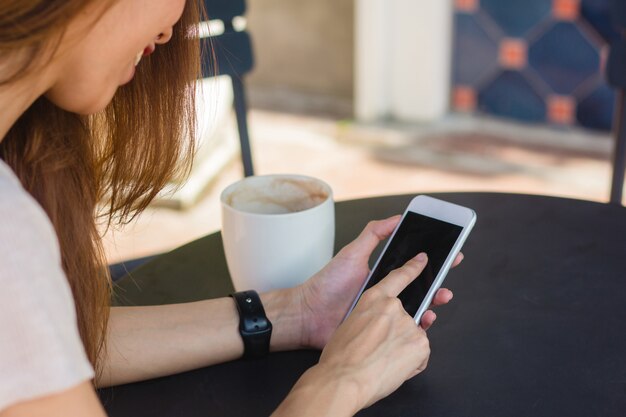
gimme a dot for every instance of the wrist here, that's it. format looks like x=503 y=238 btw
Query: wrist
x=284 y=309
x=322 y=391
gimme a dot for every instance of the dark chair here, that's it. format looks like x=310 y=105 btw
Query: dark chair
x=616 y=75
x=230 y=53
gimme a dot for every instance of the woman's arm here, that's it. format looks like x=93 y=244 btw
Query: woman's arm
x=148 y=342
x=153 y=341
x=79 y=401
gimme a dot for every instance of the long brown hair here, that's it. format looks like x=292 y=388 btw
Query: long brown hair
x=106 y=167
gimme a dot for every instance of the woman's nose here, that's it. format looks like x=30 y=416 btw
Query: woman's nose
x=164 y=37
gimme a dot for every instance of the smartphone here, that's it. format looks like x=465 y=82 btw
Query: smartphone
x=428 y=225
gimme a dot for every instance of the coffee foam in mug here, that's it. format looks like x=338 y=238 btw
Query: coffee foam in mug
x=277 y=196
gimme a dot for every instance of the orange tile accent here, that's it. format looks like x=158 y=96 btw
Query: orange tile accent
x=513 y=53
x=468 y=6
x=566 y=9
x=561 y=109
x=464 y=98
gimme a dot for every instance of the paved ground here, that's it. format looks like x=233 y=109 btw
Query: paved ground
x=360 y=161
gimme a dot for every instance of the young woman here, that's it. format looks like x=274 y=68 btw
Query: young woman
x=96 y=115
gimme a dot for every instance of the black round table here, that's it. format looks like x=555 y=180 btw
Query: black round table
x=537 y=326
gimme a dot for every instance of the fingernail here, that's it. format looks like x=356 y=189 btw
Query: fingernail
x=421 y=257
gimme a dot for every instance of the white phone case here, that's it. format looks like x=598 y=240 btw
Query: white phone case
x=440 y=210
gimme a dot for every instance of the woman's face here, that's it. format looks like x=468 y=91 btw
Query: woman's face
x=100 y=51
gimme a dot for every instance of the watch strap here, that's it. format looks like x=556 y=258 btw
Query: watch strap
x=254 y=326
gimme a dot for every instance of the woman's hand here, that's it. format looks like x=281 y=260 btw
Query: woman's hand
x=379 y=346
x=328 y=295
x=371 y=354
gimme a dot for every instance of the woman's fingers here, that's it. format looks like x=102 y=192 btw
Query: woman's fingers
x=428 y=318
x=442 y=296
x=379 y=345
x=459 y=258
x=398 y=279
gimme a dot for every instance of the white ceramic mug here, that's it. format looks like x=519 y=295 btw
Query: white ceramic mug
x=278 y=230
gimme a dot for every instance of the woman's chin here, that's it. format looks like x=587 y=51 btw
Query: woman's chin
x=83 y=105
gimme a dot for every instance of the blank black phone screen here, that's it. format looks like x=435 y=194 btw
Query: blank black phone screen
x=417 y=233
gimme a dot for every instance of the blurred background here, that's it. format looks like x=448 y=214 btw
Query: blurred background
x=400 y=96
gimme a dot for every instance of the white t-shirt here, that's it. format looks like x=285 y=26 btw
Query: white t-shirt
x=40 y=348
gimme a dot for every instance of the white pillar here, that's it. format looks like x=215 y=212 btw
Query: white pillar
x=421 y=55
x=371 y=59
x=403 y=55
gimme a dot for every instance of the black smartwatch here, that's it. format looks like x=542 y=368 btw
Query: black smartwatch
x=254 y=326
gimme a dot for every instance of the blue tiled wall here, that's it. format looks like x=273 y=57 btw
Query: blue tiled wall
x=562 y=60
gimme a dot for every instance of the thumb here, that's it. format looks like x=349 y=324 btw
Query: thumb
x=375 y=232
